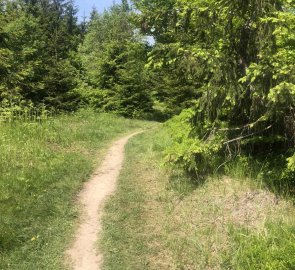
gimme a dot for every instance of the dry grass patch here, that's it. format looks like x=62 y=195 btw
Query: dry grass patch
x=197 y=225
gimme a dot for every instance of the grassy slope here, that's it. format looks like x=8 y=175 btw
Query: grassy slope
x=157 y=220
x=42 y=167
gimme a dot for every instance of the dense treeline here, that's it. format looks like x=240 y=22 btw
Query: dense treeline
x=228 y=66
x=45 y=60
x=113 y=57
x=233 y=63
x=38 y=41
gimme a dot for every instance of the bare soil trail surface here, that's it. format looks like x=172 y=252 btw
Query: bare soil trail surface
x=83 y=254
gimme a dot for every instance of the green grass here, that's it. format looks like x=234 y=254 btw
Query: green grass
x=126 y=241
x=160 y=219
x=272 y=249
x=42 y=168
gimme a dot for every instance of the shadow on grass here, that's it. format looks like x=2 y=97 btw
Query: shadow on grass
x=184 y=183
x=268 y=172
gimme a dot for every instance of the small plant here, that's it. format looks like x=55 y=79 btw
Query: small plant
x=188 y=150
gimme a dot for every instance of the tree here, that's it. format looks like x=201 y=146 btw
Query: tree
x=236 y=57
x=38 y=43
x=113 y=57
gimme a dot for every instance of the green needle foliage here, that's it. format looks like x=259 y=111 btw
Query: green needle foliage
x=223 y=70
x=113 y=56
x=237 y=60
x=38 y=41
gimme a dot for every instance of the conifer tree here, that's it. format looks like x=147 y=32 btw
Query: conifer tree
x=38 y=41
x=114 y=57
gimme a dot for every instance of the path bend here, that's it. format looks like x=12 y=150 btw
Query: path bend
x=84 y=254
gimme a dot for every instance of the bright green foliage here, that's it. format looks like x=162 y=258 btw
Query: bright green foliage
x=176 y=77
x=237 y=58
x=38 y=39
x=291 y=163
x=189 y=152
x=113 y=57
x=167 y=221
x=22 y=50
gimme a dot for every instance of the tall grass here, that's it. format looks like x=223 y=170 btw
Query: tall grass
x=271 y=249
x=162 y=219
x=43 y=164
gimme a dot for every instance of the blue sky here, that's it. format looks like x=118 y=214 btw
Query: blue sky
x=85 y=6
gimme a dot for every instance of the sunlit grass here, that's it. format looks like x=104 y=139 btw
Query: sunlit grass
x=43 y=164
x=161 y=219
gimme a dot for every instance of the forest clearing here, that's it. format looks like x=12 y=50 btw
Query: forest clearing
x=156 y=134
x=156 y=219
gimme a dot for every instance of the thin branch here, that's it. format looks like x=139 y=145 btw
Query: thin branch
x=239 y=128
x=249 y=135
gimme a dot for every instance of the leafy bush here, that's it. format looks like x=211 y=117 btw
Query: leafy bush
x=188 y=151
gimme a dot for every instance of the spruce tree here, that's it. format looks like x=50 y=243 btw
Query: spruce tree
x=38 y=41
x=113 y=57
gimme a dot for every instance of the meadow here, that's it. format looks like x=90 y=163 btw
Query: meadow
x=43 y=164
x=160 y=218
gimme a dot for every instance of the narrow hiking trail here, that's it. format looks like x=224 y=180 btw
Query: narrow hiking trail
x=83 y=254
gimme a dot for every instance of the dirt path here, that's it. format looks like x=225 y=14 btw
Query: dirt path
x=83 y=254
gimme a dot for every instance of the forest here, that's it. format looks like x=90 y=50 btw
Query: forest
x=213 y=82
